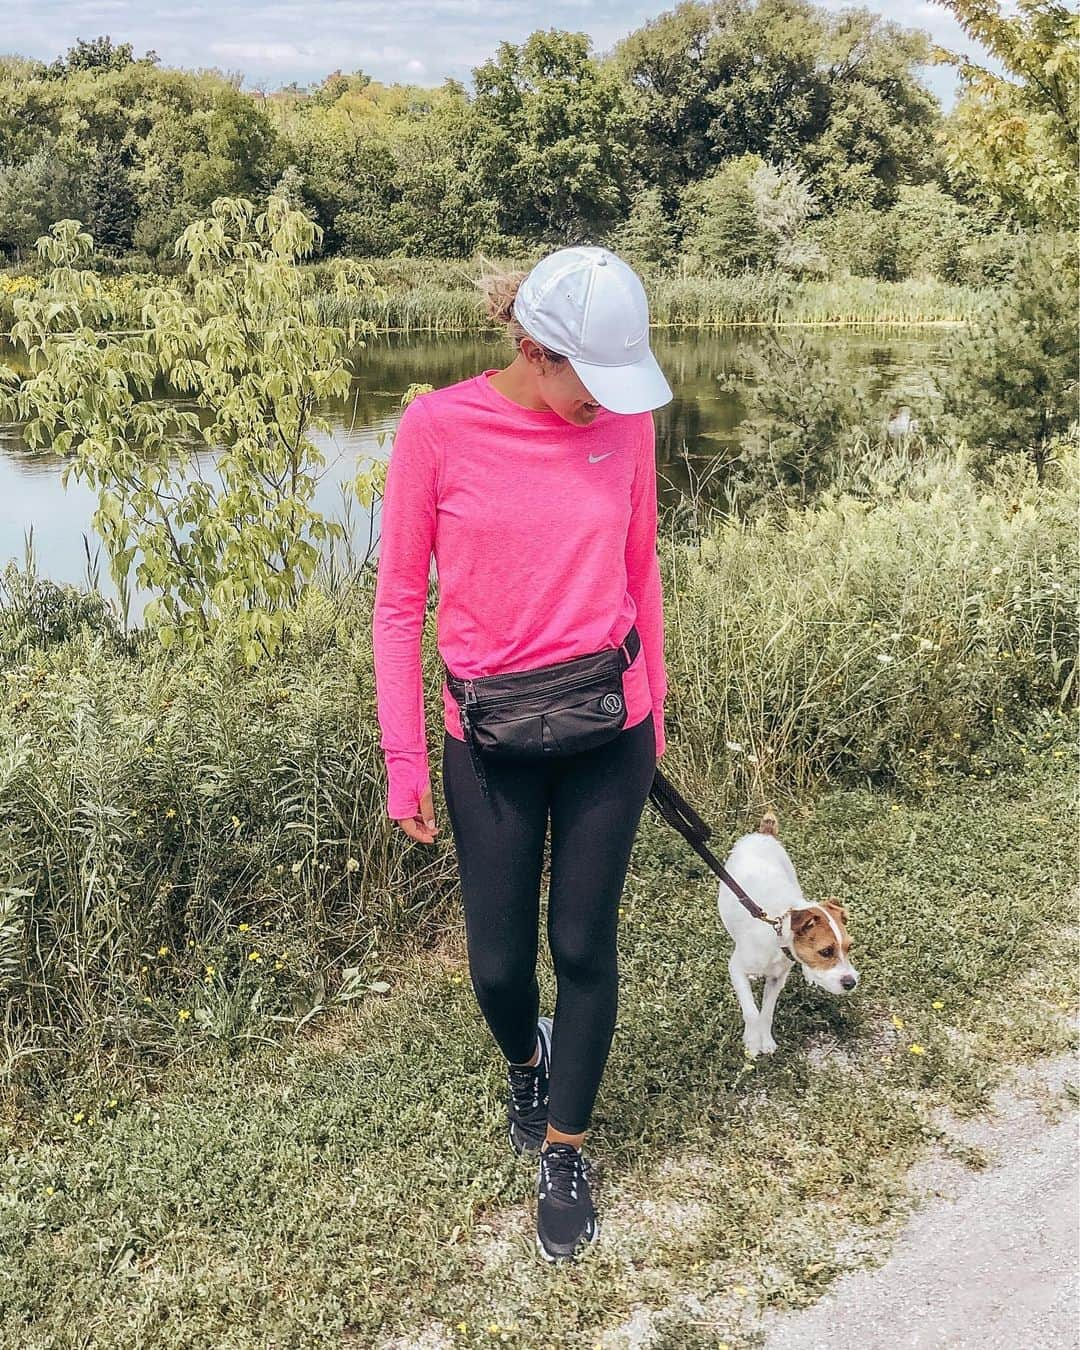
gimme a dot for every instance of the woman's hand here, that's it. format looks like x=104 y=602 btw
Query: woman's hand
x=422 y=827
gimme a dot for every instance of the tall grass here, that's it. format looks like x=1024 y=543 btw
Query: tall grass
x=431 y=295
x=151 y=804
x=889 y=641
x=424 y=296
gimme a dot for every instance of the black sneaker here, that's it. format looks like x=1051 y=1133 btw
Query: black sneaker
x=565 y=1217
x=527 y=1096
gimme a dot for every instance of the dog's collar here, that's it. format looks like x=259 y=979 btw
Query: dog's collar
x=777 y=925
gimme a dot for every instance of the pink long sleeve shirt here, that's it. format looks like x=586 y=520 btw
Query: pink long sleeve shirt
x=544 y=539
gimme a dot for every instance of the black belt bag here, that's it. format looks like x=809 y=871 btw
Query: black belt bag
x=554 y=710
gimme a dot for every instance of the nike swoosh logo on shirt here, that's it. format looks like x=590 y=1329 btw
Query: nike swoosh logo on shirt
x=595 y=459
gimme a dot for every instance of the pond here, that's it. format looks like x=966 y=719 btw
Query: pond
x=697 y=425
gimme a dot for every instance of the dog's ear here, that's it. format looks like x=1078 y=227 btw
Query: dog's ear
x=802 y=921
x=836 y=907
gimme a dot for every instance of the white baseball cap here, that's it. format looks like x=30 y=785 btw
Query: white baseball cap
x=588 y=305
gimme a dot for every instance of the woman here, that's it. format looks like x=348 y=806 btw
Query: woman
x=535 y=487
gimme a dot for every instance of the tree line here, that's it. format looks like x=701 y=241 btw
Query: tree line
x=730 y=134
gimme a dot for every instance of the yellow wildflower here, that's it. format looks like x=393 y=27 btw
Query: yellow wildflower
x=243 y=928
x=184 y=1014
x=917 y=1049
x=937 y=1003
x=279 y=965
x=78 y=1117
x=235 y=821
x=352 y=865
x=898 y=1022
x=170 y=814
x=254 y=956
x=163 y=951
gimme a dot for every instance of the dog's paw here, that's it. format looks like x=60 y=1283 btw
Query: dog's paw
x=766 y=1044
x=751 y=1042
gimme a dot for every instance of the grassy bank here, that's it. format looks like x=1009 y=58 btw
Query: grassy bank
x=442 y=299
x=416 y=295
x=354 y=1183
x=157 y=809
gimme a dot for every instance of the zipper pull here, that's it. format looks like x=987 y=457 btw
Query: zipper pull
x=470 y=692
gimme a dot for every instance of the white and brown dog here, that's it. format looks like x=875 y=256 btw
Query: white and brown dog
x=815 y=936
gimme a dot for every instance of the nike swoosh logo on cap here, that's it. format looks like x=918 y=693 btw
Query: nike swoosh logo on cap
x=633 y=341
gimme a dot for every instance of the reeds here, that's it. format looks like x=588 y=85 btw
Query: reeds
x=430 y=295
x=424 y=296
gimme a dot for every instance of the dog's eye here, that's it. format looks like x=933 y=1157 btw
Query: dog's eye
x=827 y=951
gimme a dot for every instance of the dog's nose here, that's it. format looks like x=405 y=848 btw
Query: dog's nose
x=849 y=981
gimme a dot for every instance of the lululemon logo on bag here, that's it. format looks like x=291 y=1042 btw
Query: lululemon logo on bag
x=611 y=703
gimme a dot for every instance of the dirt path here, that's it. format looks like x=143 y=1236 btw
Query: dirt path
x=990 y=1261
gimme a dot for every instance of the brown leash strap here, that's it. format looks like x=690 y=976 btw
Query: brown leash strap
x=678 y=813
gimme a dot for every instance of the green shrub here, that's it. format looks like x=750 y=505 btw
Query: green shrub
x=719 y=223
x=1010 y=380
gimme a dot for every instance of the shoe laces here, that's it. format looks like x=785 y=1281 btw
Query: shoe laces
x=524 y=1083
x=562 y=1170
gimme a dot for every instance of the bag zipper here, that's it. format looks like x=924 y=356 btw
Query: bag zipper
x=579 y=683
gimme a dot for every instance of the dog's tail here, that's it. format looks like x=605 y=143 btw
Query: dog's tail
x=769 y=823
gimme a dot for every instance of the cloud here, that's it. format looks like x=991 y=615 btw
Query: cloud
x=419 y=40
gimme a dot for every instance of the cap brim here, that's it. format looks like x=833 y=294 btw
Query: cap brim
x=634 y=388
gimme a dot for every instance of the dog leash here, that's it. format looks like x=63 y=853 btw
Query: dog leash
x=678 y=813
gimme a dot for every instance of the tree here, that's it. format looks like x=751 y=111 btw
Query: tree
x=803 y=412
x=719 y=220
x=111 y=207
x=100 y=54
x=1014 y=136
x=235 y=544
x=1010 y=382
x=784 y=204
x=837 y=96
x=932 y=231
x=648 y=234
x=550 y=138
x=32 y=195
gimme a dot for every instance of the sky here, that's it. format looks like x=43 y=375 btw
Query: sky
x=416 y=41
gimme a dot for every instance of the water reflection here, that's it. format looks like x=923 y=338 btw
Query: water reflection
x=698 y=424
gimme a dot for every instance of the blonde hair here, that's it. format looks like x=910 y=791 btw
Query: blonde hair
x=499 y=287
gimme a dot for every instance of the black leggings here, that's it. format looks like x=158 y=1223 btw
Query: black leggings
x=595 y=799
